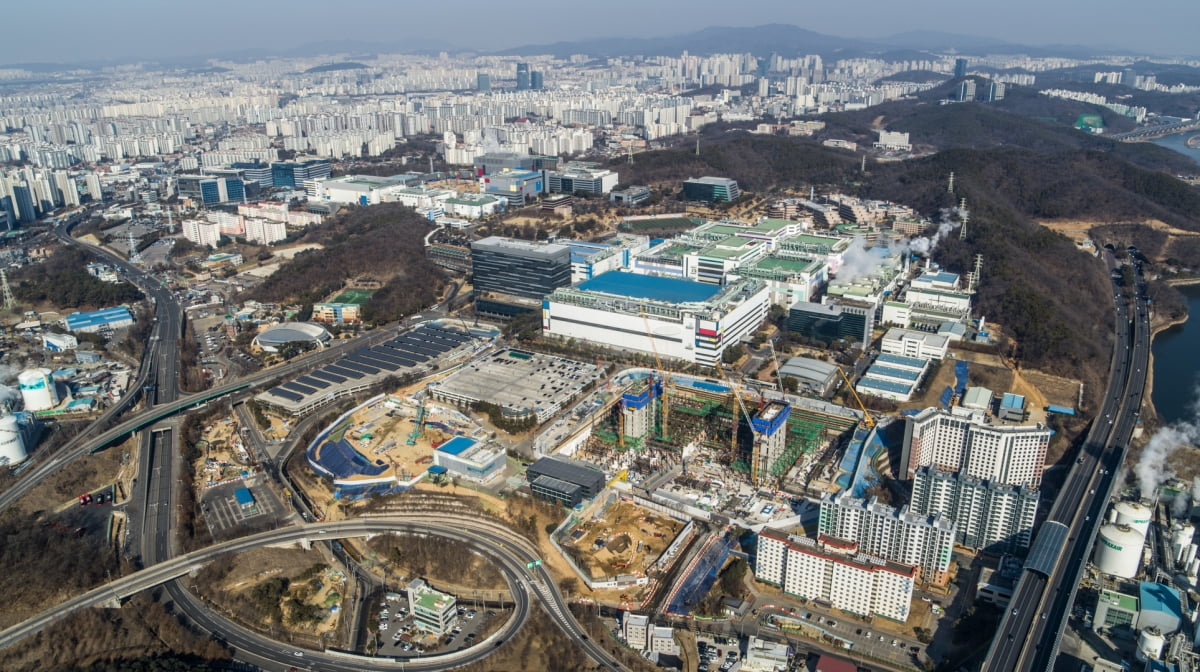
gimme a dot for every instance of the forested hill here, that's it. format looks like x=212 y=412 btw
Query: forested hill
x=1053 y=298
x=385 y=242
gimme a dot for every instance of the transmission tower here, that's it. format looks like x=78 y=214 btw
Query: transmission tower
x=135 y=257
x=974 y=276
x=950 y=185
x=10 y=301
x=966 y=215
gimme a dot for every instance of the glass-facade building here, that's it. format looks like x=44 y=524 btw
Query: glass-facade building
x=519 y=267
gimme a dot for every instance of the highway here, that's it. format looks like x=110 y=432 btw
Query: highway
x=509 y=551
x=1031 y=628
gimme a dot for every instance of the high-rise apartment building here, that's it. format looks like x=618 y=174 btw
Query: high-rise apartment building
x=519 y=267
x=899 y=535
x=836 y=571
x=483 y=82
x=991 y=517
x=960 y=441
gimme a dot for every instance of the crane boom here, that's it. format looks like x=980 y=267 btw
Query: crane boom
x=664 y=402
x=737 y=394
x=866 y=414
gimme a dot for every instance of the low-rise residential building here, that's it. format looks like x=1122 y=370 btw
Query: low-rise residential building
x=835 y=571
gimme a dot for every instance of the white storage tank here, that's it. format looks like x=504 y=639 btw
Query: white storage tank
x=37 y=389
x=1181 y=534
x=1118 y=551
x=1135 y=515
x=12 y=445
x=1150 y=644
x=1194 y=571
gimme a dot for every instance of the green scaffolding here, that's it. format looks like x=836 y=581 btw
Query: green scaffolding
x=802 y=437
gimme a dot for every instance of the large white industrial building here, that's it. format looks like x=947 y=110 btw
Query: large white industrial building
x=899 y=535
x=836 y=571
x=37 y=389
x=467 y=458
x=960 y=441
x=676 y=318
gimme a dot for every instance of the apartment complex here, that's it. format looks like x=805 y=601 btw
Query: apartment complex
x=898 y=535
x=836 y=571
x=960 y=440
x=988 y=516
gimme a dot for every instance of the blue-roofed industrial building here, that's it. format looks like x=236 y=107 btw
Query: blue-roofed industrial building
x=672 y=317
x=245 y=498
x=1012 y=407
x=1160 y=607
x=470 y=459
x=894 y=377
x=98 y=320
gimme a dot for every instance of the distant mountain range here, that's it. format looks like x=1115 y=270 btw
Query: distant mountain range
x=785 y=40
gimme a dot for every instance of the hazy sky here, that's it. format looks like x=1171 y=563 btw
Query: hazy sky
x=72 y=30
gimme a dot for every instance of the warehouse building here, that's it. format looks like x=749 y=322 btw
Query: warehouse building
x=671 y=317
x=564 y=480
x=1161 y=606
x=812 y=376
x=99 y=320
x=836 y=571
x=893 y=377
x=470 y=459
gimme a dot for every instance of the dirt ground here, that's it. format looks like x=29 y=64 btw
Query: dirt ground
x=223 y=453
x=87 y=474
x=632 y=537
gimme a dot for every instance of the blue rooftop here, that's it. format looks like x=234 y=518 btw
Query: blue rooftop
x=636 y=286
x=904 y=374
x=900 y=360
x=243 y=496
x=1011 y=400
x=456 y=445
x=437 y=469
x=1161 y=598
x=98 y=317
x=885 y=385
x=940 y=276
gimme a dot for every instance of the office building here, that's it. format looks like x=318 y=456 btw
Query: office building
x=993 y=518
x=564 y=480
x=330 y=312
x=850 y=320
x=711 y=189
x=684 y=319
x=960 y=440
x=498 y=162
x=960 y=68
x=432 y=611
x=642 y=635
x=836 y=571
x=900 y=535
x=536 y=81
x=582 y=178
x=518 y=186
x=292 y=174
x=483 y=82
x=915 y=344
x=518 y=267
x=523 y=78
x=210 y=190
x=630 y=197
x=467 y=458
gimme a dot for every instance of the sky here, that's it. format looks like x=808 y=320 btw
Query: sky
x=156 y=29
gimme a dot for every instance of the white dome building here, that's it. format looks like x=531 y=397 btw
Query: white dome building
x=273 y=338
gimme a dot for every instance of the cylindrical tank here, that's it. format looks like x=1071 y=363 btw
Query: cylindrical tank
x=1112 y=515
x=1181 y=534
x=12 y=446
x=1194 y=569
x=1135 y=515
x=1150 y=644
x=1189 y=554
x=1118 y=551
x=37 y=389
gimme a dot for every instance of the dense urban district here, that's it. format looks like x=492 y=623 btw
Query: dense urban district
x=710 y=361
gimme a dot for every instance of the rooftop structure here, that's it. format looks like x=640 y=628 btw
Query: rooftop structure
x=675 y=318
x=812 y=376
x=273 y=338
x=522 y=384
x=470 y=459
x=108 y=318
x=711 y=189
x=899 y=535
x=518 y=267
x=432 y=611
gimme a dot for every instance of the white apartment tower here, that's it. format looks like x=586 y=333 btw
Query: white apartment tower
x=836 y=571
x=995 y=518
x=899 y=535
x=959 y=441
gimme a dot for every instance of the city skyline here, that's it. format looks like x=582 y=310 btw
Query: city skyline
x=168 y=32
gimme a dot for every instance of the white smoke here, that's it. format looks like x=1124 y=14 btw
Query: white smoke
x=1151 y=470
x=10 y=398
x=858 y=261
x=951 y=219
x=491 y=141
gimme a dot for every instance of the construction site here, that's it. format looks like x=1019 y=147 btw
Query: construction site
x=619 y=539
x=705 y=426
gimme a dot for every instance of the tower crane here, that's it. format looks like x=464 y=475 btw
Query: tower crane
x=870 y=422
x=664 y=401
x=737 y=394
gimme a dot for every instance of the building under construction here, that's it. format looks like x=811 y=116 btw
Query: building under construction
x=701 y=419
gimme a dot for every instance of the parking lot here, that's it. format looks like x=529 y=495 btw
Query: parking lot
x=226 y=518
x=398 y=636
x=718 y=654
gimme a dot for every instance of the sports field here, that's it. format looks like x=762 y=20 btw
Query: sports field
x=355 y=296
